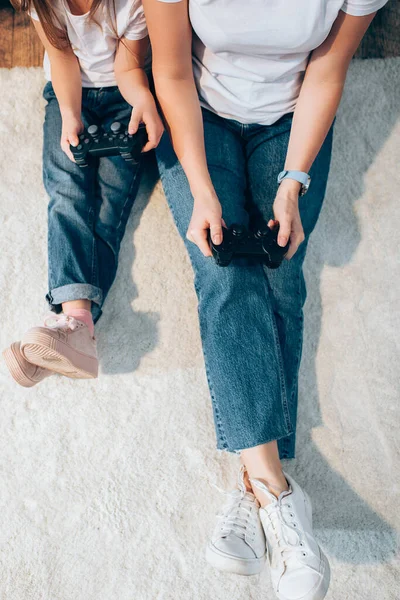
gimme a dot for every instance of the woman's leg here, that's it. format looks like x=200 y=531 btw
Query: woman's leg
x=241 y=348
x=266 y=151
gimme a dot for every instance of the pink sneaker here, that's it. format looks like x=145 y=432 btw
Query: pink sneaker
x=21 y=370
x=64 y=345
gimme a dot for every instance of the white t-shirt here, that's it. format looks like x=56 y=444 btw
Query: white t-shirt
x=95 y=45
x=249 y=56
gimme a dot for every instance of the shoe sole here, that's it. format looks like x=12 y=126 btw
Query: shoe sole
x=321 y=590
x=229 y=564
x=54 y=355
x=14 y=362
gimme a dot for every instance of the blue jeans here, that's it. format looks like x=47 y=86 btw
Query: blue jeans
x=88 y=208
x=251 y=318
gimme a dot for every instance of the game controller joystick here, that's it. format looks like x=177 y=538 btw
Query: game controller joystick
x=239 y=242
x=96 y=142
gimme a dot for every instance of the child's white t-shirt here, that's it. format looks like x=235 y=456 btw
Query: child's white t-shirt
x=95 y=42
x=249 y=56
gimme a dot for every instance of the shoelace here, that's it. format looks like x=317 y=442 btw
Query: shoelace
x=277 y=514
x=282 y=529
x=238 y=515
x=61 y=321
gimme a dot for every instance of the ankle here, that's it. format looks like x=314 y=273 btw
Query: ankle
x=81 y=314
x=247 y=483
x=276 y=484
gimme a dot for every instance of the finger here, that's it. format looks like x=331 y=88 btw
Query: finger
x=149 y=146
x=66 y=149
x=159 y=134
x=152 y=135
x=294 y=246
x=199 y=237
x=284 y=230
x=295 y=240
x=216 y=232
x=134 y=122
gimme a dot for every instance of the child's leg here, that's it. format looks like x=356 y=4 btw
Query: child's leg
x=66 y=345
x=116 y=189
x=87 y=219
x=71 y=213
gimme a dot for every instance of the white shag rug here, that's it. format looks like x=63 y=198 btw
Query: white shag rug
x=105 y=486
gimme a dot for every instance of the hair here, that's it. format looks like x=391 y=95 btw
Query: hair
x=52 y=26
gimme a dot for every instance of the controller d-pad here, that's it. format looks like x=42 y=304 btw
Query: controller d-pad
x=237 y=230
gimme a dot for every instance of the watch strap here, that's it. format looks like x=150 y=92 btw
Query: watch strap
x=299 y=176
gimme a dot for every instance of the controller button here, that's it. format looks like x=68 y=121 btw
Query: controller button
x=79 y=147
x=125 y=139
x=87 y=140
x=115 y=127
x=261 y=233
x=93 y=130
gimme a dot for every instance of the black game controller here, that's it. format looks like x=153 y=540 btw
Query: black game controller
x=96 y=142
x=240 y=242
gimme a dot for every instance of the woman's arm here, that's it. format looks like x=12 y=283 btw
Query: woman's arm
x=315 y=110
x=67 y=85
x=134 y=86
x=171 y=41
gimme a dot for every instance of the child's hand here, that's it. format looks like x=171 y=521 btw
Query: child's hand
x=145 y=111
x=71 y=128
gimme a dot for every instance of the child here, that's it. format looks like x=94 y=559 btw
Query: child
x=95 y=52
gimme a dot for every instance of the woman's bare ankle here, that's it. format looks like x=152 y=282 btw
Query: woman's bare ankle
x=263 y=463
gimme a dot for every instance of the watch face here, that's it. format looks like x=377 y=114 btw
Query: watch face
x=304 y=187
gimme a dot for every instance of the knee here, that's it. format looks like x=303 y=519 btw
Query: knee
x=69 y=207
x=227 y=285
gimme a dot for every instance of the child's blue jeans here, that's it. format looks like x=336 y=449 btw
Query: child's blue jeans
x=89 y=207
x=251 y=318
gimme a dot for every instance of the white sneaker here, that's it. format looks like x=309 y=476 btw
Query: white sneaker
x=299 y=568
x=238 y=542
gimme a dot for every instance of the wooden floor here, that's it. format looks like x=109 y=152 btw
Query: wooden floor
x=19 y=44
x=20 y=47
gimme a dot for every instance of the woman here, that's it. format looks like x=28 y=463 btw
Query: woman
x=269 y=78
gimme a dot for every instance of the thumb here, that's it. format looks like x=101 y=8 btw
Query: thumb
x=73 y=139
x=133 y=123
x=284 y=231
x=216 y=231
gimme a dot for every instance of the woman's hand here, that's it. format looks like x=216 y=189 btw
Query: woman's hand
x=71 y=128
x=145 y=111
x=207 y=215
x=286 y=211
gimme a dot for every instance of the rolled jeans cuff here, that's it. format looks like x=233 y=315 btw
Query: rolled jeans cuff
x=76 y=291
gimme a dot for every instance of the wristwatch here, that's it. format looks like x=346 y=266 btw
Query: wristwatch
x=299 y=176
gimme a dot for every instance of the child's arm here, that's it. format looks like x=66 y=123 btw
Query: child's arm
x=67 y=85
x=134 y=86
